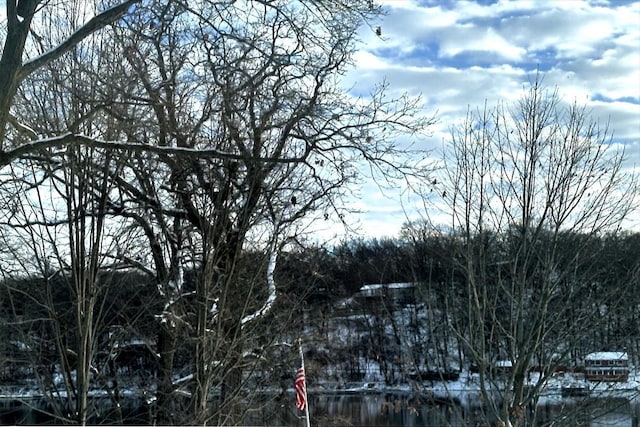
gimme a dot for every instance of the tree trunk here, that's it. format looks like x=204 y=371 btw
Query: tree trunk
x=230 y=412
x=167 y=341
x=202 y=365
x=11 y=60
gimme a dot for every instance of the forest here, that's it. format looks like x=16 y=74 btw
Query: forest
x=163 y=165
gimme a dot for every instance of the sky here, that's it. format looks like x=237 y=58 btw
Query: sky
x=458 y=55
x=461 y=54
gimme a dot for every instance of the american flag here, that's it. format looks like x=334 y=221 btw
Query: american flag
x=300 y=387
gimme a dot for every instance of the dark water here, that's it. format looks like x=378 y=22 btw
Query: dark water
x=39 y=411
x=393 y=410
x=390 y=409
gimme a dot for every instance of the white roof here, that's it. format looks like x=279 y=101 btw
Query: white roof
x=607 y=355
x=376 y=286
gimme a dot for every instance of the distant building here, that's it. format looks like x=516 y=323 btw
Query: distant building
x=503 y=366
x=607 y=366
x=395 y=293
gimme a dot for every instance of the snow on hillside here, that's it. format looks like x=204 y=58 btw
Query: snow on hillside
x=367 y=346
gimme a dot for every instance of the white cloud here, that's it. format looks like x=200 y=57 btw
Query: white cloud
x=3 y=18
x=459 y=55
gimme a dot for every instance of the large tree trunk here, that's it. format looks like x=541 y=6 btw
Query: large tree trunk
x=167 y=341
x=11 y=59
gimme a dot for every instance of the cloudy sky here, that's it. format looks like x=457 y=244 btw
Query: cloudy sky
x=461 y=54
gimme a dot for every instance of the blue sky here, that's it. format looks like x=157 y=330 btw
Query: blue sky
x=461 y=54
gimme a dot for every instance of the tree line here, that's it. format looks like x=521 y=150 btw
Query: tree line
x=594 y=310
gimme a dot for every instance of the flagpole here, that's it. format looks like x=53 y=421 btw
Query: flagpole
x=306 y=399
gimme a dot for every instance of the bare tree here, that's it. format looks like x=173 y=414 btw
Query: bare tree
x=519 y=179
x=61 y=239
x=232 y=134
x=253 y=87
x=57 y=219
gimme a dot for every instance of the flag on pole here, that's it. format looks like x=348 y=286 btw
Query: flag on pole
x=300 y=386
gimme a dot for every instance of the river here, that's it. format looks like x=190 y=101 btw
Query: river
x=360 y=410
x=394 y=410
